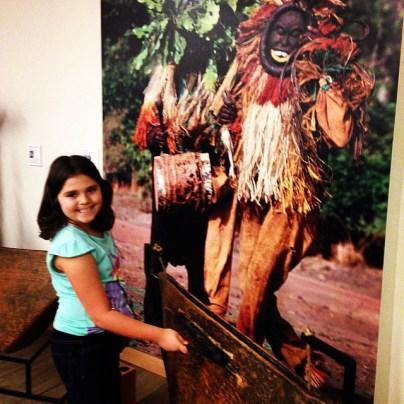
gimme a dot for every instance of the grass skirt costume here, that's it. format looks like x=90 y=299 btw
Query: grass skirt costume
x=281 y=128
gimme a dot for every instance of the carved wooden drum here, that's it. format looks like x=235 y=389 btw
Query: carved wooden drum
x=182 y=179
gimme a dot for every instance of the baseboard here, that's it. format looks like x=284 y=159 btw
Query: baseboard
x=143 y=360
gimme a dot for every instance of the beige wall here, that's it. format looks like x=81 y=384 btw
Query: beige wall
x=50 y=94
x=390 y=360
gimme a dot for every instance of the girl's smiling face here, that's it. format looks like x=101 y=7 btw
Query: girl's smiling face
x=80 y=200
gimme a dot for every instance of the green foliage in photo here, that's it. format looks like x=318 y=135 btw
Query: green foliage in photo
x=199 y=35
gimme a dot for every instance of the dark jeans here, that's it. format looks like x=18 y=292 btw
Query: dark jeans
x=88 y=366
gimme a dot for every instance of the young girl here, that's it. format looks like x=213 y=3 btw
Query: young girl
x=93 y=317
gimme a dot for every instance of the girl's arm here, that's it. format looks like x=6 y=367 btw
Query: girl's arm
x=83 y=275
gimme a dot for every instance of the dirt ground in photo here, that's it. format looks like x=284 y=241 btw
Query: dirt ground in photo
x=339 y=303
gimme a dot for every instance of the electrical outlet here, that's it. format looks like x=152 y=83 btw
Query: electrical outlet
x=34 y=155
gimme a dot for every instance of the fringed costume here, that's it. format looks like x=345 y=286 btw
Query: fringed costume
x=286 y=117
x=282 y=125
x=179 y=232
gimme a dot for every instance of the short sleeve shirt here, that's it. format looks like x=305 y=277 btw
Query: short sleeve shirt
x=71 y=241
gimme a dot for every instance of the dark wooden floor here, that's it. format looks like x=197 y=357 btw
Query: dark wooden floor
x=150 y=388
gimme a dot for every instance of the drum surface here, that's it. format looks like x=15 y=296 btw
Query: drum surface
x=182 y=179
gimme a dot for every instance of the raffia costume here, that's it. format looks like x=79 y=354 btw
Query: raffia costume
x=283 y=123
x=179 y=232
x=281 y=128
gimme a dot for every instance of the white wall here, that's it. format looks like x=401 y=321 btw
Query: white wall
x=50 y=94
x=390 y=359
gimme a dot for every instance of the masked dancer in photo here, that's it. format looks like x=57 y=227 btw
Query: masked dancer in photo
x=293 y=91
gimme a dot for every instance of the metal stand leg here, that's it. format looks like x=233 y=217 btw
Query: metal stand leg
x=27 y=362
x=152 y=301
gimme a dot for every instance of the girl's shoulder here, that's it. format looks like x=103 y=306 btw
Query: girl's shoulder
x=68 y=233
x=70 y=242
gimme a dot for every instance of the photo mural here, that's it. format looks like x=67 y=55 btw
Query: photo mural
x=249 y=143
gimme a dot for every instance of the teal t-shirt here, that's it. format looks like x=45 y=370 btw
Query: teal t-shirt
x=68 y=242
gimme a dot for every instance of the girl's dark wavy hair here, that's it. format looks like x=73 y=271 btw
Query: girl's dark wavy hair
x=50 y=217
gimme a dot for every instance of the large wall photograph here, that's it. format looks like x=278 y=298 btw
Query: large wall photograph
x=249 y=144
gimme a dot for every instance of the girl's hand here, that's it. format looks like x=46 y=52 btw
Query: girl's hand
x=170 y=340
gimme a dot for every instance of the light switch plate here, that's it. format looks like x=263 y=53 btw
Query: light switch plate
x=34 y=155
